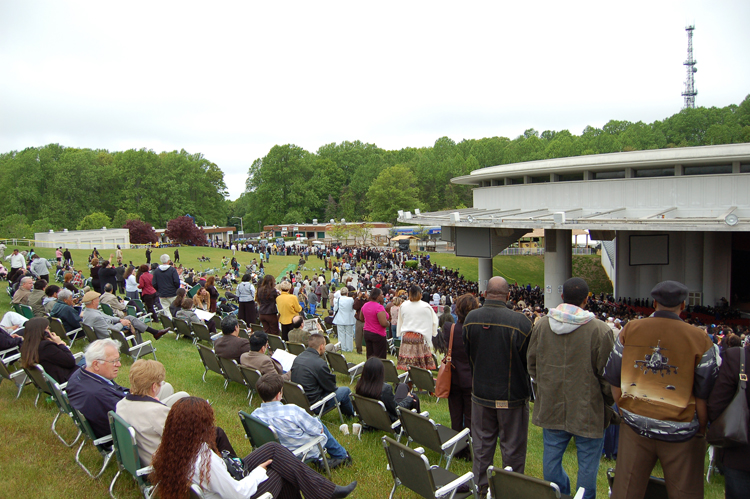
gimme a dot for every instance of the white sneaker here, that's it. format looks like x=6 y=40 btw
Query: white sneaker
x=344 y=428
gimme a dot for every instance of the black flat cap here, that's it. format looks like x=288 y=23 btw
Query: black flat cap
x=669 y=293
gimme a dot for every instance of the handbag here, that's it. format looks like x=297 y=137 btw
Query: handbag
x=730 y=428
x=443 y=383
x=234 y=466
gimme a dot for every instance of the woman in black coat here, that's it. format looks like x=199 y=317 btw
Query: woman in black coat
x=372 y=385
x=459 y=399
x=43 y=347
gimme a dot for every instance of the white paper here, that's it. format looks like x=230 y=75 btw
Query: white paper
x=203 y=315
x=284 y=358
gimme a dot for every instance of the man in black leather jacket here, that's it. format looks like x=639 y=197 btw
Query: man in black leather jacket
x=496 y=340
x=312 y=372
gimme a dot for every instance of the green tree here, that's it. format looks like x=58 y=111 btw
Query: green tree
x=394 y=189
x=94 y=221
x=15 y=227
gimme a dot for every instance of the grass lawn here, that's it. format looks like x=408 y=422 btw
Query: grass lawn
x=36 y=464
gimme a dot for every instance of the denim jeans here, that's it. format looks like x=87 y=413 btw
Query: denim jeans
x=346 y=336
x=737 y=483
x=342 y=395
x=334 y=449
x=589 y=454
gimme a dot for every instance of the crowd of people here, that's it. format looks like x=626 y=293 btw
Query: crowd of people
x=597 y=366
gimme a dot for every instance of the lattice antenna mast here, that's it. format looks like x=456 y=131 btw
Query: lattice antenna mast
x=690 y=91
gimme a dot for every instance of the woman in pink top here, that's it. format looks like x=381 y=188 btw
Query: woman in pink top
x=376 y=320
x=148 y=293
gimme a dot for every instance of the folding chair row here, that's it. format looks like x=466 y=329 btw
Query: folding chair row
x=295 y=394
x=339 y=364
x=57 y=327
x=229 y=370
x=16 y=376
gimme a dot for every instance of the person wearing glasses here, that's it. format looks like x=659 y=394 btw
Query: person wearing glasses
x=93 y=390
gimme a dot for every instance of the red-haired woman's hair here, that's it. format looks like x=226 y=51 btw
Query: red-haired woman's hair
x=189 y=425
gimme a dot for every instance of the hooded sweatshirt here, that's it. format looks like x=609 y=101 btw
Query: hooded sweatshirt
x=567 y=353
x=166 y=281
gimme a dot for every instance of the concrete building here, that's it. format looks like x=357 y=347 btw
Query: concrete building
x=679 y=213
x=379 y=231
x=84 y=239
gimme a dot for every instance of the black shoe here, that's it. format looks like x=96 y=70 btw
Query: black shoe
x=333 y=463
x=160 y=333
x=347 y=460
x=339 y=492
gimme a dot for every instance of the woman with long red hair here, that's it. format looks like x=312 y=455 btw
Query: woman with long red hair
x=187 y=454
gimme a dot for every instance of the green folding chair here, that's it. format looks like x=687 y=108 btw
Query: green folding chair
x=89 y=332
x=339 y=364
x=107 y=309
x=210 y=361
x=26 y=311
x=372 y=413
x=136 y=351
x=275 y=342
x=18 y=377
x=259 y=433
x=63 y=408
x=295 y=348
x=424 y=431
x=56 y=326
x=126 y=455
x=295 y=394
x=88 y=434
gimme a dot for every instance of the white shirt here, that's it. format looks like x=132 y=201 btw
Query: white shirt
x=221 y=484
x=417 y=317
x=131 y=284
x=16 y=261
x=11 y=319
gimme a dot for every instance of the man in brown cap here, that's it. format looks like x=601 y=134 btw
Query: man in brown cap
x=101 y=323
x=662 y=370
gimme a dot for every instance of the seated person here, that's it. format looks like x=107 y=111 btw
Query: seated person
x=186 y=455
x=36 y=297
x=293 y=425
x=110 y=298
x=186 y=313
x=201 y=299
x=231 y=346
x=9 y=340
x=143 y=410
x=41 y=346
x=101 y=323
x=93 y=390
x=24 y=290
x=50 y=298
x=257 y=359
x=176 y=305
x=300 y=335
x=63 y=310
x=312 y=372
x=13 y=321
x=372 y=385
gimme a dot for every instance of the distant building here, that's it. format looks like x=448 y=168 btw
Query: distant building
x=213 y=233
x=379 y=235
x=84 y=239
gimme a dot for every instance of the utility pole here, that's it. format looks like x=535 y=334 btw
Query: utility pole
x=690 y=91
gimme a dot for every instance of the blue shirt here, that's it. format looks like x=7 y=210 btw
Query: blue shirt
x=293 y=425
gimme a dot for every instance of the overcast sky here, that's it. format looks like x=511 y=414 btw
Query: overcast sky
x=232 y=79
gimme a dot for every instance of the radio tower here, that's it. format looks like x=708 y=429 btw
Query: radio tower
x=690 y=91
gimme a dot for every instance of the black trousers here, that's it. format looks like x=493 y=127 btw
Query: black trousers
x=287 y=475
x=375 y=345
x=248 y=312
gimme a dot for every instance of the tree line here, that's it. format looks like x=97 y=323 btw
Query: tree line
x=56 y=187
x=360 y=181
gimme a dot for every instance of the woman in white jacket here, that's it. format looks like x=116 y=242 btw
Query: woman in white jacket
x=344 y=319
x=417 y=325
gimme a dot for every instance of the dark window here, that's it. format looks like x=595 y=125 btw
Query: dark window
x=570 y=177
x=708 y=170
x=515 y=181
x=321 y=235
x=609 y=175
x=745 y=168
x=655 y=172
x=540 y=179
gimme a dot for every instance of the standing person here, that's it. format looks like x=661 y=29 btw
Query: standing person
x=213 y=293
x=267 y=311
x=166 y=282
x=148 y=256
x=497 y=340
x=118 y=255
x=567 y=353
x=246 y=297
x=736 y=459
x=359 y=326
x=120 y=270
x=108 y=275
x=95 y=281
x=288 y=307
x=176 y=255
x=17 y=264
x=376 y=320
x=663 y=419
x=131 y=284
x=148 y=293
x=417 y=325
x=40 y=267
x=67 y=257
x=58 y=256
x=344 y=320
x=459 y=398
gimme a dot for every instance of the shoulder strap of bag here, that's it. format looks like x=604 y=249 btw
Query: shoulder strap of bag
x=743 y=375
x=449 y=357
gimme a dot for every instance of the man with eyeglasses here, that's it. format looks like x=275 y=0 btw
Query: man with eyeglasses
x=93 y=390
